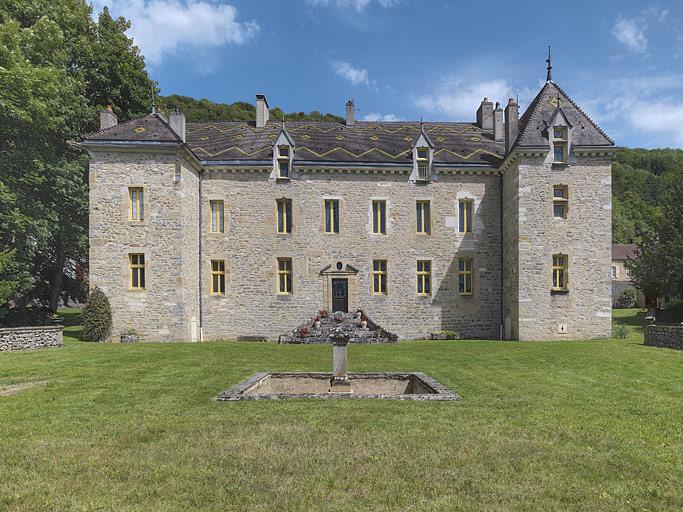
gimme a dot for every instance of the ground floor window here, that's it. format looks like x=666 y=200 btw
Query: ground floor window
x=218 y=277
x=284 y=276
x=560 y=271
x=379 y=277
x=136 y=263
x=424 y=277
x=465 y=266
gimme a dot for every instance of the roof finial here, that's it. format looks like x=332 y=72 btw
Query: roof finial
x=549 y=78
x=283 y=121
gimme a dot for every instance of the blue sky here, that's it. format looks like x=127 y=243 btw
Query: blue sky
x=621 y=60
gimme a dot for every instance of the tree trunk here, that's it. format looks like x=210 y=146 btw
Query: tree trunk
x=58 y=277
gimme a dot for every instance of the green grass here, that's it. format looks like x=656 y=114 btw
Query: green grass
x=594 y=425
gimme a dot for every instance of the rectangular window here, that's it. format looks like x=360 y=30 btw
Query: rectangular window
x=424 y=277
x=560 y=201
x=560 y=270
x=283 y=161
x=465 y=210
x=422 y=163
x=331 y=216
x=284 y=276
x=218 y=277
x=136 y=204
x=379 y=277
x=284 y=215
x=379 y=217
x=615 y=272
x=424 y=222
x=465 y=266
x=217 y=216
x=136 y=262
x=560 y=143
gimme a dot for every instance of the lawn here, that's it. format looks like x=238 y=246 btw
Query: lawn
x=594 y=425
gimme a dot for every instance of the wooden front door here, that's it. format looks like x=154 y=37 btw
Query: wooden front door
x=340 y=295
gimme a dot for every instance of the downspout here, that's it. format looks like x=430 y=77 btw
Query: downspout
x=502 y=262
x=199 y=234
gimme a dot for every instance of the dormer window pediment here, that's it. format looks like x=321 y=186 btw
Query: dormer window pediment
x=283 y=155
x=423 y=156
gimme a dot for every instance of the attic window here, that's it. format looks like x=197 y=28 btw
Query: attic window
x=422 y=163
x=560 y=144
x=283 y=159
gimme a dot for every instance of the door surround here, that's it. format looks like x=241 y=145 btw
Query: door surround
x=339 y=270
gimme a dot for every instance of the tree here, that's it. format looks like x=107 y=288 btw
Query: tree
x=96 y=317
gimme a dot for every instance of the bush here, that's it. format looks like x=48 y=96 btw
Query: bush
x=627 y=299
x=619 y=331
x=96 y=317
x=671 y=314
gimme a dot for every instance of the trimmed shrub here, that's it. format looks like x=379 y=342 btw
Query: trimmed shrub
x=627 y=299
x=96 y=317
x=619 y=331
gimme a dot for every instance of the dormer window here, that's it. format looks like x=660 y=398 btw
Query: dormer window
x=422 y=163
x=560 y=144
x=283 y=160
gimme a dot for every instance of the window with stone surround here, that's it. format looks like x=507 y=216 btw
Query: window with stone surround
x=560 y=201
x=217 y=216
x=560 y=144
x=136 y=264
x=218 y=277
x=284 y=216
x=465 y=266
x=422 y=163
x=284 y=276
x=379 y=277
x=136 y=204
x=424 y=221
x=424 y=277
x=283 y=161
x=379 y=217
x=331 y=214
x=465 y=216
x=560 y=272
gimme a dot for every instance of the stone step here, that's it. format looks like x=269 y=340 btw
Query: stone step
x=347 y=322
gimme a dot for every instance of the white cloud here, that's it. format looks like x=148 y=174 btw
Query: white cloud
x=166 y=27
x=374 y=117
x=358 y=5
x=631 y=32
x=660 y=118
x=459 y=100
x=357 y=76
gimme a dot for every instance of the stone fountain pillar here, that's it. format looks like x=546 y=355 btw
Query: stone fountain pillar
x=340 y=381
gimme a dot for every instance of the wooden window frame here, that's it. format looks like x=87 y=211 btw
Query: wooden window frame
x=335 y=224
x=379 y=277
x=379 y=217
x=465 y=216
x=136 y=204
x=562 y=200
x=422 y=162
x=137 y=266
x=217 y=216
x=283 y=208
x=465 y=270
x=423 y=222
x=282 y=159
x=562 y=142
x=560 y=274
x=218 y=277
x=285 y=276
x=424 y=277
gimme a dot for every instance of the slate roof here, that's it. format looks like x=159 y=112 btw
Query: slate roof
x=624 y=251
x=533 y=125
x=153 y=127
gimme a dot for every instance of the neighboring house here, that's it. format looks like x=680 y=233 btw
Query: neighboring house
x=622 y=253
x=498 y=228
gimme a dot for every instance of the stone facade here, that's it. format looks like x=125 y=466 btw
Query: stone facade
x=667 y=336
x=20 y=338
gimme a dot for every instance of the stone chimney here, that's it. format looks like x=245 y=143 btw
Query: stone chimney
x=498 y=127
x=177 y=122
x=485 y=115
x=107 y=118
x=350 y=113
x=262 y=112
x=511 y=123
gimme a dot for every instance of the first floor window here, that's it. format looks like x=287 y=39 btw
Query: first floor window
x=136 y=207
x=379 y=217
x=218 y=277
x=379 y=277
x=284 y=276
x=615 y=272
x=465 y=276
x=560 y=270
x=560 y=200
x=136 y=262
x=424 y=277
x=465 y=211
x=331 y=215
x=284 y=215
x=423 y=217
x=217 y=217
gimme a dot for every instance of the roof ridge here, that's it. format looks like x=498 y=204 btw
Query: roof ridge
x=156 y=115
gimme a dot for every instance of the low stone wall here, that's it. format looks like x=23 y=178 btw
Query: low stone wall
x=20 y=338
x=668 y=336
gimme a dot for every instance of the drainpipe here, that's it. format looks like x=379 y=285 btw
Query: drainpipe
x=502 y=263
x=201 y=322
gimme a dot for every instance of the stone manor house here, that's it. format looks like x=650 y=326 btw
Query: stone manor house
x=499 y=228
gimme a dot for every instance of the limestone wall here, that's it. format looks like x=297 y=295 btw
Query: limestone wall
x=668 y=336
x=20 y=338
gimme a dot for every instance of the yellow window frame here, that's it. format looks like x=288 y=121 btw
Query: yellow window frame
x=284 y=276
x=284 y=214
x=218 y=277
x=560 y=274
x=424 y=277
x=422 y=163
x=331 y=213
x=561 y=141
x=465 y=276
x=465 y=209
x=562 y=200
x=282 y=158
x=379 y=277
x=424 y=222
x=136 y=204
x=379 y=217
x=217 y=216
x=137 y=265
